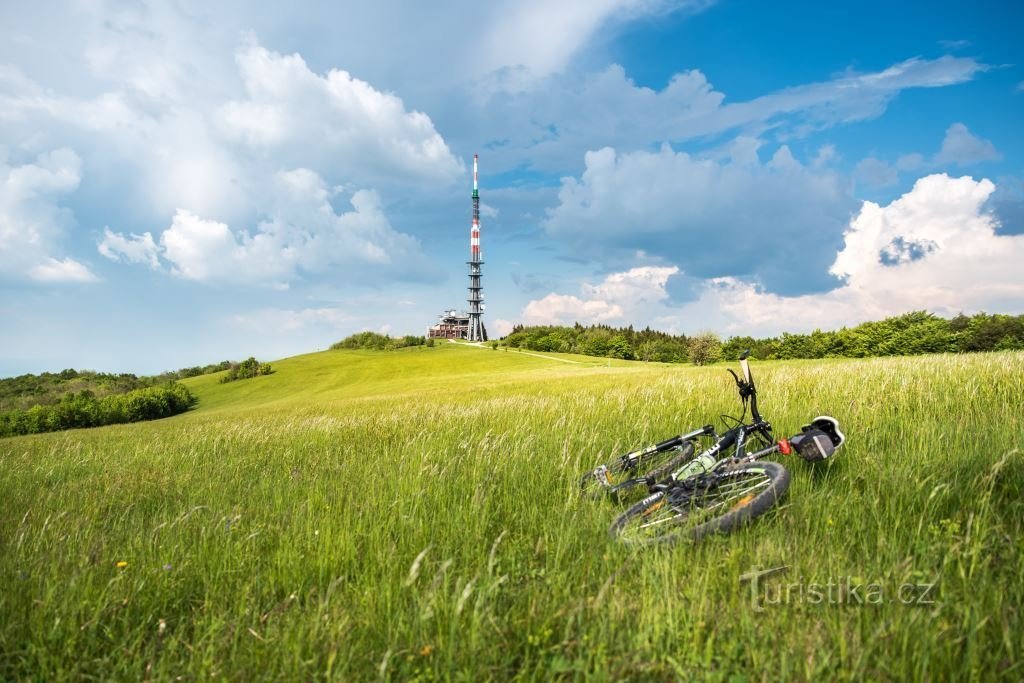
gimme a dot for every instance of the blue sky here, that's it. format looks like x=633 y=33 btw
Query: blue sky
x=181 y=184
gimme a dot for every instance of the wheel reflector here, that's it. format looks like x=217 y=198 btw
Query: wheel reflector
x=741 y=502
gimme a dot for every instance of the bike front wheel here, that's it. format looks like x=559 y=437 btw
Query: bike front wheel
x=695 y=507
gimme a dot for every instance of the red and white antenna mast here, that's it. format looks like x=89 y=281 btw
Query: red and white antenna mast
x=477 y=331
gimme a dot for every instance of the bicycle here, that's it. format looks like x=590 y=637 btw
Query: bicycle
x=723 y=486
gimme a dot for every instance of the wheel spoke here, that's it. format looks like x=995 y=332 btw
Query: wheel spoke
x=696 y=503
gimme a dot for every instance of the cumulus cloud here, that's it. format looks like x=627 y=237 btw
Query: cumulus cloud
x=131 y=249
x=735 y=217
x=66 y=270
x=32 y=221
x=300 y=234
x=502 y=327
x=959 y=147
x=962 y=147
x=560 y=309
x=547 y=123
x=321 y=120
x=609 y=300
x=935 y=248
x=210 y=139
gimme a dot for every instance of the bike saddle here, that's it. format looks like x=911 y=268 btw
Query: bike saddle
x=819 y=440
x=830 y=426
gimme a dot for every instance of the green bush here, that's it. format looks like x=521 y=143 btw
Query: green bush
x=83 y=409
x=380 y=342
x=248 y=368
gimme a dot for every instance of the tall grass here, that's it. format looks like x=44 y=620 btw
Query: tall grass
x=361 y=515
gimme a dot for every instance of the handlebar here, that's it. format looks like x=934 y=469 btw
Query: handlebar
x=746 y=385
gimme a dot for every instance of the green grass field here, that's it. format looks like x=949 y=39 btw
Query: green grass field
x=359 y=515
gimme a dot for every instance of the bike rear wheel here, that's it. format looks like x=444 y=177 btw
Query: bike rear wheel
x=705 y=504
x=618 y=478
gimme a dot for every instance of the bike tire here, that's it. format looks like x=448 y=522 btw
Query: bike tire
x=767 y=483
x=663 y=464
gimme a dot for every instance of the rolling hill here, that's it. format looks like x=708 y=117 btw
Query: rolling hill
x=413 y=514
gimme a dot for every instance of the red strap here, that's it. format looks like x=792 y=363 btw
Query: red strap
x=784 y=447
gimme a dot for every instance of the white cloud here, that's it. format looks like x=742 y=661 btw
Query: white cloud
x=501 y=327
x=67 y=270
x=962 y=147
x=133 y=249
x=712 y=218
x=319 y=121
x=542 y=36
x=934 y=248
x=32 y=221
x=644 y=284
x=209 y=133
x=548 y=123
x=561 y=309
x=300 y=234
x=618 y=295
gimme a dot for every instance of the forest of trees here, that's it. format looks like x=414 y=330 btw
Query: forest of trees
x=25 y=391
x=912 y=333
x=85 y=409
x=69 y=399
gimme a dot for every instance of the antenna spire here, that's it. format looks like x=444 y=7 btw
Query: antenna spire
x=477 y=331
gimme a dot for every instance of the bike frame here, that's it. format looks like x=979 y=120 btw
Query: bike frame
x=736 y=438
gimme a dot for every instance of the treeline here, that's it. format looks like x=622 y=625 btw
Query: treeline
x=380 y=342
x=26 y=391
x=250 y=367
x=904 y=335
x=47 y=388
x=603 y=340
x=912 y=333
x=194 y=371
x=85 y=409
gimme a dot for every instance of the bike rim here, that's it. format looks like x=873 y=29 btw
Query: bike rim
x=730 y=493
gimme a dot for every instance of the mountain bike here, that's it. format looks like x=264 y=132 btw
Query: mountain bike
x=718 y=488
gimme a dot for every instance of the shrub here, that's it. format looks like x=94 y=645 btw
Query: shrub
x=248 y=368
x=380 y=342
x=705 y=348
x=85 y=410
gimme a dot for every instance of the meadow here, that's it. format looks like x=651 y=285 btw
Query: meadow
x=413 y=515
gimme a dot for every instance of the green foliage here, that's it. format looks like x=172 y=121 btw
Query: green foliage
x=47 y=388
x=380 y=342
x=197 y=370
x=705 y=348
x=601 y=340
x=84 y=409
x=247 y=369
x=910 y=334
